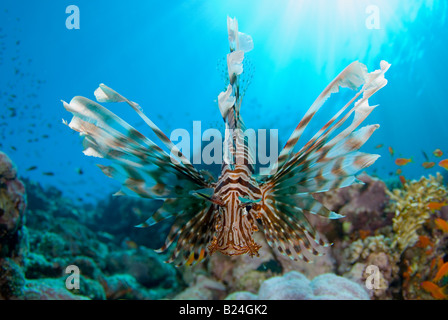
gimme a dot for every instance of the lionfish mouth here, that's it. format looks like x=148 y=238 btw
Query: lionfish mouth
x=232 y=249
x=251 y=249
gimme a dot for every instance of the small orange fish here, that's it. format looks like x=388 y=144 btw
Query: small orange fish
x=441 y=224
x=407 y=274
x=442 y=272
x=402 y=161
x=423 y=242
x=364 y=234
x=131 y=244
x=436 y=263
x=379 y=146
x=433 y=289
x=444 y=164
x=438 y=153
x=439 y=263
x=433 y=263
x=399 y=171
x=436 y=205
x=391 y=151
x=402 y=180
x=428 y=165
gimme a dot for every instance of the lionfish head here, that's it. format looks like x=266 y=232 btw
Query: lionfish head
x=236 y=222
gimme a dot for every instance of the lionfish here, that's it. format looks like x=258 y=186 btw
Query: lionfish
x=222 y=215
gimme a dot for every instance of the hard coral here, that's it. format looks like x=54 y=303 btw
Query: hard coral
x=204 y=288
x=371 y=251
x=295 y=286
x=362 y=248
x=410 y=205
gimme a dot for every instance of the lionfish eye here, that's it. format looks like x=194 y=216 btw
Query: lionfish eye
x=248 y=203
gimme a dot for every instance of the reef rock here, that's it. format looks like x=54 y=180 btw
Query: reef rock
x=244 y=272
x=144 y=265
x=12 y=208
x=203 y=288
x=321 y=264
x=49 y=289
x=295 y=286
x=125 y=286
x=362 y=205
x=12 y=280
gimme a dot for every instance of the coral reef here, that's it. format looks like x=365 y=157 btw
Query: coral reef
x=118 y=216
x=144 y=265
x=12 y=209
x=295 y=286
x=401 y=251
x=390 y=245
x=125 y=286
x=416 y=238
x=48 y=289
x=363 y=206
x=371 y=251
x=203 y=288
x=12 y=279
x=35 y=255
x=410 y=205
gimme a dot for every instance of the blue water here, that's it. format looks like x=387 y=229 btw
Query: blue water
x=168 y=57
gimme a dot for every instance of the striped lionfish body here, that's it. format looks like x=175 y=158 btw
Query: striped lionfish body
x=223 y=215
x=236 y=220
